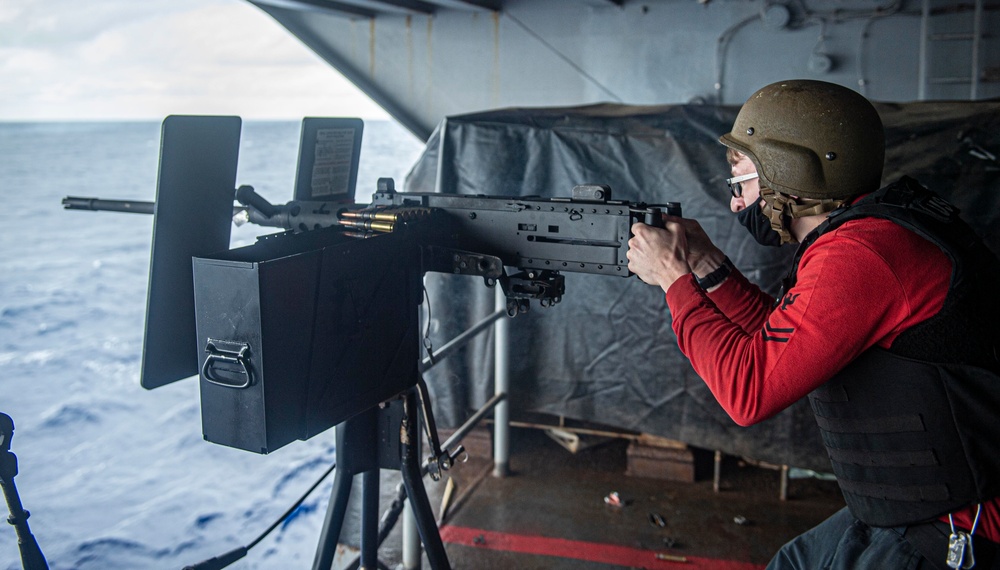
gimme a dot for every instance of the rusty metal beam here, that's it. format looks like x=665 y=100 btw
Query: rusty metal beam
x=473 y=5
x=407 y=7
x=328 y=6
x=357 y=8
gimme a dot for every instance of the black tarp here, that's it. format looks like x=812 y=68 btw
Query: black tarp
x=607 y=353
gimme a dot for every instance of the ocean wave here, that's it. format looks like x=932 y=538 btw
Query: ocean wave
x=113 y=552
x=304 y=470
x=47 y=328
x=113 y=362
x=34 y=357
x=68 y=415
x=12 y=312
x=205 y=520
x=184 y=413
x=76 y=364
x=302 y=510
x=56 y=308
x=190 y=441
x=77 y=414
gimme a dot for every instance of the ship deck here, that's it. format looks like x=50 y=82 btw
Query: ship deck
x=551 y=512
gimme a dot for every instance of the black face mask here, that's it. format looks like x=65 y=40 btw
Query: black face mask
x=759 y=226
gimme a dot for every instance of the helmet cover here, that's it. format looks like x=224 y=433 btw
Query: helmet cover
x=811 y=139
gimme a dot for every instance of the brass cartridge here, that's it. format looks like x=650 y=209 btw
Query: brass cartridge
x=375 y=225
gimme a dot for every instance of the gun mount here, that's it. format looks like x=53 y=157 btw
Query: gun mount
x=307 y=327
x=317 y=326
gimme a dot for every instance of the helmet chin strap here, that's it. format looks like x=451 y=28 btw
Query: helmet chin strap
x=781 y=209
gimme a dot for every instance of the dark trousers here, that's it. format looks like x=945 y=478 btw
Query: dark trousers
x=842 y=542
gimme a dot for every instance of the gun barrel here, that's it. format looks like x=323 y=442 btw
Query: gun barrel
x=99 y=205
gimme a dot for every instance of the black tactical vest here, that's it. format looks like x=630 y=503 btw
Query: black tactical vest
x=914 y=432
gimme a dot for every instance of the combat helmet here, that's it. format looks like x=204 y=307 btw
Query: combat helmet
x=811 y=139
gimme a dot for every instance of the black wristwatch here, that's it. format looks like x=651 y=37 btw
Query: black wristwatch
x=717 y=276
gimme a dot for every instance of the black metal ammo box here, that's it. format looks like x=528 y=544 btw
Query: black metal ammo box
x=299 y=332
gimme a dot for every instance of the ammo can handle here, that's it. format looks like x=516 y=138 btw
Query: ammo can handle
x=218 y=355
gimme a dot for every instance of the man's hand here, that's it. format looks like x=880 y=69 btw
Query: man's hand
x=659 y=256
x=703 y=256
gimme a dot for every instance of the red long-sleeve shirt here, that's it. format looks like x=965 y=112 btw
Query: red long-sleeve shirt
x=858 y=286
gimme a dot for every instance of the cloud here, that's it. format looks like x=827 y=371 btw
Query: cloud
x=118 y=59
x=48 y=23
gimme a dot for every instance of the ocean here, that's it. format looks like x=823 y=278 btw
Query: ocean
x=116 y=476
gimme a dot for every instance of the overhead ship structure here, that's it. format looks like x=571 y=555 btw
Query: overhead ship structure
x=423 y=60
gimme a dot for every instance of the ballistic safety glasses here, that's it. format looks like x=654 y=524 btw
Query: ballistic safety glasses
x=734 y=183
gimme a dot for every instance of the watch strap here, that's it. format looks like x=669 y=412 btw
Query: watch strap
x=718 y=275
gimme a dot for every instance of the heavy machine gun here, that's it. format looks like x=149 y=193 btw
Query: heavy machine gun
x=317 y=326
x=309 y=313
x=483 y=235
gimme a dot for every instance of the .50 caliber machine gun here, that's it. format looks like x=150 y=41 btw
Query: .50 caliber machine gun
x=317 y=326
x=481 y=235
x=310 y=326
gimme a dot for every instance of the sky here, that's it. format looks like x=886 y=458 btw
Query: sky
x=146 y=59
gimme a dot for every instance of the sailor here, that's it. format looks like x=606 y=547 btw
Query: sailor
x=886 y=322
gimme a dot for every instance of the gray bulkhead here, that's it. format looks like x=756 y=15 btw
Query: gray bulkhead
x=425 y=60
